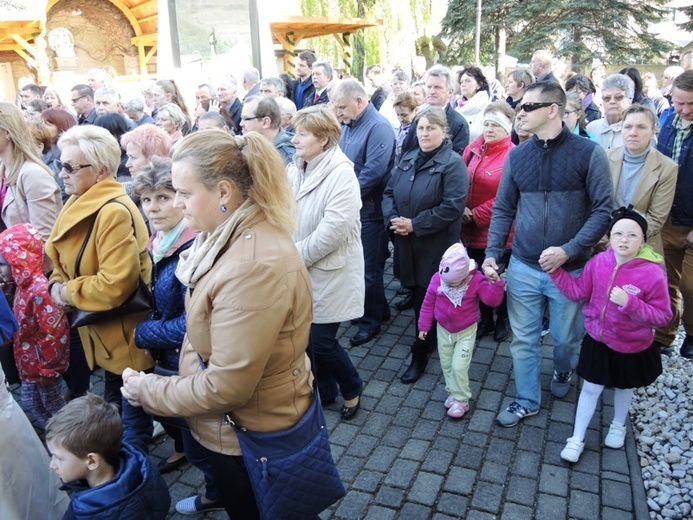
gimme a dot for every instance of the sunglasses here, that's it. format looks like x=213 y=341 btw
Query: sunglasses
x=70 y=168
x=74 y=100
x=531 y=107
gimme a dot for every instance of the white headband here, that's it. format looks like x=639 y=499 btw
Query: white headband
x=500 y=118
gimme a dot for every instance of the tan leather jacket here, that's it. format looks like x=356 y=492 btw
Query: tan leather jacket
x=249 y=319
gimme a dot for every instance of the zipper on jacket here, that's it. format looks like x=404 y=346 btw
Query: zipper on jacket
x=608 y=292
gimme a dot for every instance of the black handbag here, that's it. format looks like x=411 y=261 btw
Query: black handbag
x=139 y=301
x=292 y=472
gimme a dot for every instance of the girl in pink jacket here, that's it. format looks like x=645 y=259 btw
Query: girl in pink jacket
x=452 y=298
x=626 y=296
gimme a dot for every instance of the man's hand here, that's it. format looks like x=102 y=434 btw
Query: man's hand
x=467 y=216
x=490 y=269
x=552 y=258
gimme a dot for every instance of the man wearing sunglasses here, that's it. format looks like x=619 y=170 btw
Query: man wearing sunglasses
x=82 y=98
x=557 y=189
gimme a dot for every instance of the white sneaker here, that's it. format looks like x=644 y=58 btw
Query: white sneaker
x=616 y=436
x=573 y=449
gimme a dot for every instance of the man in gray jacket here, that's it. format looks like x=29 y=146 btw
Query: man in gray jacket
x=557 y=189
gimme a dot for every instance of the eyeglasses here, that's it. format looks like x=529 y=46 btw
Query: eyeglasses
x=249 y=118
x=71 y=168
x=531 y=107
x=74 y=100
x=617 y=98
x=568 y=112
x=619 y=235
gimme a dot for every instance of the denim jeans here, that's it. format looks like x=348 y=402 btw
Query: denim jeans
x=331 y=364
x=529 y=292
x=375 y=252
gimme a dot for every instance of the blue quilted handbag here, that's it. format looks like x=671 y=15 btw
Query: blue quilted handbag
x=292 y=472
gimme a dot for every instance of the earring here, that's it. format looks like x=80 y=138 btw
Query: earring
x=223 y=208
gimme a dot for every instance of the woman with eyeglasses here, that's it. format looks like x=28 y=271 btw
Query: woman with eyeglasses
x=574 y=114
x=583 y=87
x=643 y=176
x=484 y=159
x=101 y=221
x=28 y=191
x=617 y=96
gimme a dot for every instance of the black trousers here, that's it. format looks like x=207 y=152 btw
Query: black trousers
x=233 y=483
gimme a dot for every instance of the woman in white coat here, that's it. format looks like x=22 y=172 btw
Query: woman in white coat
x=328 y=238
x=475 y=98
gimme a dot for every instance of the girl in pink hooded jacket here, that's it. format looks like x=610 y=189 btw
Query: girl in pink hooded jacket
x=452 y=299
x=626 y=296
x=41 y=345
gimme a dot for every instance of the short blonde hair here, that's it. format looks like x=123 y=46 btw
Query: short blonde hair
x=321 y=122
x=176 y=115
x=97 y=145
x=250 y=162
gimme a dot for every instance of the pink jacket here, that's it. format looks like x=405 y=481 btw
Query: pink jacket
x=454 y=319
x=626 y=329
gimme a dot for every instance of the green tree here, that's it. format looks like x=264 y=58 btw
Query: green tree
x=688 y=11
x=576 y=30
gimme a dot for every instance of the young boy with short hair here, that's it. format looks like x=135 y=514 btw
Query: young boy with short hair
x=110 y=477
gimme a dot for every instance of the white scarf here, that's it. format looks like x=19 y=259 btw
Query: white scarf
x=199 y=259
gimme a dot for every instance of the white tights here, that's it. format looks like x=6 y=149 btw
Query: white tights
x=587 y=403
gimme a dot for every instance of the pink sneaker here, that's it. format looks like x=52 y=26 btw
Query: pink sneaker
x=449 y=401
x=458 y=409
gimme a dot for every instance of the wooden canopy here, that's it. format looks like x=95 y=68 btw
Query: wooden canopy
x=290 y=31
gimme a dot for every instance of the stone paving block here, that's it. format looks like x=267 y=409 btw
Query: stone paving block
x=383 y=375
x=487 y=497
x=450 y=428
x=349 y=467
x=550 y=506
x=460 y=481
x=376 y=424
x=389 y=405
x=440 y=516
x=344 y=434
x=475 y=514
x=584 y=506
x=563 y=411
x=477 y=371
x=489 y=400
x=469 y=457
x=437 y=462
x=482 y=421
x=391 y=364
x=424 y=429
x=553 y=480
x=402 y=473
x=618 y=477
x=589 y=461
x=370 y=362
x=444 y=443
x=502 y=365
x=559 y=432
x=493 y=472
x=417 y=399
x=396 y=436
x=616 y=495
x=614 y=460
x=389 y=496
x=526 y=463
x=375 y=389
x=454 y=505
x=353 y=505
x=381 y=513
x=516 y=512
x=477 y=439
x=414 y=449
x=434 y=411
x=584 y=482
x=521 y=490
x=531 y=438
x=496 y=381
x=412 y=511
x=406 y=416
x=501 y=450
x=382 y=458
x=425 y=489
x=363 y=447
x=616 y=514
x=388 y=340
x=367 y=481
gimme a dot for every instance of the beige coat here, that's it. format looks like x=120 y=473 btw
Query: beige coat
x=249 y=319
x=328 y=235
x=113 y=260
x=655 y=192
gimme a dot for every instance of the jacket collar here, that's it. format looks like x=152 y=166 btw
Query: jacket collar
x=316 y=171
x=185 y=238
x=552 y=143
x=363 y=116
x=441 y=158
x=491 y=148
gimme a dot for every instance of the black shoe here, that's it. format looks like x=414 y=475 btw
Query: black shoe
x=485 y=326
x=356 y=321
x=168 y=467
x=687 y=347
x=405 y=303
x=348 y=412
x=387 y=315
x=403 y=290
x=414 y=372
x=666 y=350
x=363 y=336
x=502 y=329
x=327 y=401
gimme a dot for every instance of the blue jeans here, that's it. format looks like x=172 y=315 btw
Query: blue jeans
x=529 y=293
x=374 y=240
x=331 y=364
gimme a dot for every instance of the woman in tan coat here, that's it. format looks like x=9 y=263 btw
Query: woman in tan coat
x=114 y=257
x=249 y=306
x=642 y=176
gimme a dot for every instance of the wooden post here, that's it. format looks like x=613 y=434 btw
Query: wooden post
x=343 y=40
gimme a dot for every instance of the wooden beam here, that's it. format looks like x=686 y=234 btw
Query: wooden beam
x=145 y=39
x=148 y=3
x=129 y=15
x=149 y=18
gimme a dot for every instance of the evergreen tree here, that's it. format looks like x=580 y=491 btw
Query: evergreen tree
x=614 y=31
x=688 y=11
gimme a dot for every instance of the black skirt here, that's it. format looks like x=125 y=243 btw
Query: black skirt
x=601 y=365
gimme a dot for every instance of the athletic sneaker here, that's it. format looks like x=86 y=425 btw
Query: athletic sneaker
x=616 y=436
x=513 y=414
x=573 y=449
x=560 y=384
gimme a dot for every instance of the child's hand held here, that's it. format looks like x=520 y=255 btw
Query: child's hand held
x=422 y=335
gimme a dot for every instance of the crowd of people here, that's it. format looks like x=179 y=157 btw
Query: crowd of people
x=260 y=224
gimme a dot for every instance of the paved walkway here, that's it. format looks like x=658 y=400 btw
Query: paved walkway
x=402 y=457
